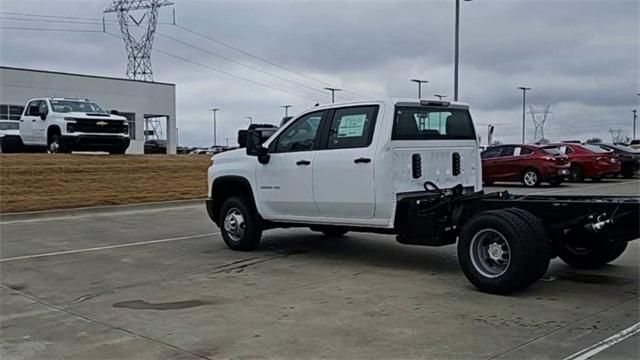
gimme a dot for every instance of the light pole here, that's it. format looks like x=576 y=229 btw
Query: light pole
x=250 y=120
x=457 y=51
x=524 y=104
x=440 y=96
x=286 y=109
x=635 y=117
x=215 y=138
x=419 y=82
x=333 y=93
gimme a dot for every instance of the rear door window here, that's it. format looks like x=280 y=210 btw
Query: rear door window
x=352 y=127
x=432 y=123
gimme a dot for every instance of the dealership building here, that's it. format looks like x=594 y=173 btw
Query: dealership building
x=150 y=107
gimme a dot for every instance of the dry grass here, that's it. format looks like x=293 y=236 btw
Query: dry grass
x=42 y=181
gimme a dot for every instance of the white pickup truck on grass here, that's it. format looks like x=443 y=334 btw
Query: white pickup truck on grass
x=413 y=169
x=68 y=124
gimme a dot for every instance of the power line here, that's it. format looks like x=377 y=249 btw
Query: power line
x=238 y=62
x=48 y=29
x=220 y=42
x=223 y=72
x=96 y=21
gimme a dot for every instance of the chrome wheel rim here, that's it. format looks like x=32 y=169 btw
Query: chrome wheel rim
x=234 y=224
x=490 y=253
x=530 y=178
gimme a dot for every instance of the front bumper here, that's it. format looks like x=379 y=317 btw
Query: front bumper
x=94 y=142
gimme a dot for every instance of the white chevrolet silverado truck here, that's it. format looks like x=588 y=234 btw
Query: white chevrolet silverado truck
x=412 y=169
x=68 y=124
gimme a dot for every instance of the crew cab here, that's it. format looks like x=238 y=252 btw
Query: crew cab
x=530 y=164
x=68 y=124
x=412 y=169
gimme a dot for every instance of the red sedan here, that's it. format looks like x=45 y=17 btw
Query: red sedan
x=530 y=164
x=590 y=161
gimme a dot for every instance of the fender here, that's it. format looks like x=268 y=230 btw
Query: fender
x=224 y=187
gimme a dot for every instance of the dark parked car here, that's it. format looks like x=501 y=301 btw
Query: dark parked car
x=628 y=156
x=155 y=147
x=529 y=164
x=590 y=161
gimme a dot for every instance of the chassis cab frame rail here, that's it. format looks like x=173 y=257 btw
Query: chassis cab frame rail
x=434 y=218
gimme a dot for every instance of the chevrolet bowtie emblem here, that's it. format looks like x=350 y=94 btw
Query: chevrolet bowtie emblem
x=102 y=123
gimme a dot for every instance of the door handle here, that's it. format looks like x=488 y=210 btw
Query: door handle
x=33 y=120
x=362 y=160
x=303 y=162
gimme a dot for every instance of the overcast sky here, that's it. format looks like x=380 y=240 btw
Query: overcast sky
x=581 y=57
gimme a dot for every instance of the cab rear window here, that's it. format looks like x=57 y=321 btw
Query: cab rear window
x=432 y=123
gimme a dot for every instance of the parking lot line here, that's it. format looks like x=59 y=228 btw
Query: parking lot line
x=605 y=344
x=34 y=256
x=586 y=187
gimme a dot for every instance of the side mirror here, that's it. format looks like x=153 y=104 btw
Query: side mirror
x=254 y=146
x=114 y=112
x=43 y=116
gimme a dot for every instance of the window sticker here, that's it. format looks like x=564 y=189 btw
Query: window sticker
x=352 y=125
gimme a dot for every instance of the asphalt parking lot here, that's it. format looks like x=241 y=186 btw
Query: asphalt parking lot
x=160 y=283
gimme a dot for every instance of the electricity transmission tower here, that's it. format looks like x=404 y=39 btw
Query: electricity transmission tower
x=138 y=47
x=617 y=136
x=539 y=118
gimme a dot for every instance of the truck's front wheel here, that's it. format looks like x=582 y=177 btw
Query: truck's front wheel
x=499 y=253
x=239 y=224
x=55 y=145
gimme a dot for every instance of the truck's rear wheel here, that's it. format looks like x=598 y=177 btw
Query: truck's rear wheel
x=240 y=228
x=591 y=255
x=541 y=236
x=499 y=252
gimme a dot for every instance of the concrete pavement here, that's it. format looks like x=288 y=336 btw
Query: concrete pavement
x=162 y=284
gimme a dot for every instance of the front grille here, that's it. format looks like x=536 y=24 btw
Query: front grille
x=100 y=126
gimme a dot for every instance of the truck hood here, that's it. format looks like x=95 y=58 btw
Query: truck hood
x=82 y=115
x=230 y=156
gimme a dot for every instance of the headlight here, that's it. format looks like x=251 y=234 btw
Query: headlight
x=71 y=127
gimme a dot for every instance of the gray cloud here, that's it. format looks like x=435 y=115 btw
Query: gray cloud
x=581 y=57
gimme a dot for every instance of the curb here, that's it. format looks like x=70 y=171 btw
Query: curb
x=97 y=210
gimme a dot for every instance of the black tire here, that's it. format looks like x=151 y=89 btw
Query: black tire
x=526 y=255
x=531 y=178
x=577 y=174
x=331 y=231
x=595 y=253
x=540 y=234
x=628 y=174
x=54 y=146
x=556 y=182
x=251 y=233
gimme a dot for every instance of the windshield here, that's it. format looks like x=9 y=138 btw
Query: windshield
x=432 y=123
x=65 y=106
x=9 y=125
x=595 y=148
x=624 y=148
x=553 y=150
